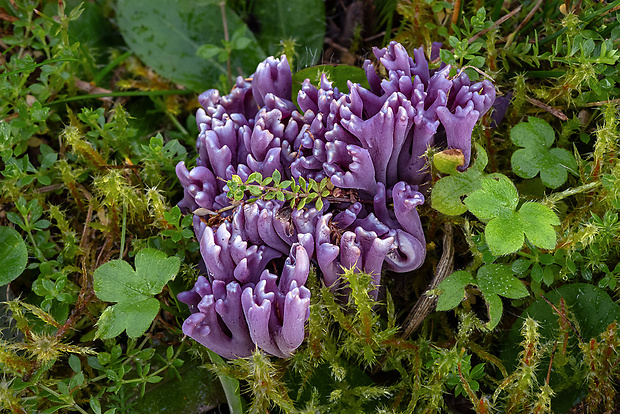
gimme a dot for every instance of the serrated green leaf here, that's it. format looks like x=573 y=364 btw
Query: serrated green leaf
x=452 y=289
x=498 y=279
x=504 y=235
x=276 y=177
x=505 y=231
x=156 y=269
x=135 y=317
x=447 y=192
x=538 y=221
x=13 y=254
x=116 y=281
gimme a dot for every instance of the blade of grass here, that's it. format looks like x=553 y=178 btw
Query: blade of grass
x=114 y=63
x=117 y=94
x=230 y=386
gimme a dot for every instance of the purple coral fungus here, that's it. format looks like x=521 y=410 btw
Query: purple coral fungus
x=369 y=141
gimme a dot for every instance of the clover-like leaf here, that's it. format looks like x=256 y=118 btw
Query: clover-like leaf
x=506 y=230
x=448 y=191
x=133 y=291
x=536 y=137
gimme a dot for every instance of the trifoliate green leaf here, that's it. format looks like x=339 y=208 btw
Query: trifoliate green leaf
x=506 y=229
x=133 y=291
x=536 y=137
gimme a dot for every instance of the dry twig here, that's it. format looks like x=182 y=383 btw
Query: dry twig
x=425 y=304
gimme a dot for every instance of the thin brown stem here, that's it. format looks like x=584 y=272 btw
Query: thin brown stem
x=564 y=318
x=89 y=217
x=495 y=25
x=455 y=13
x=524 y=22
x=553 y=111
x=425 y=304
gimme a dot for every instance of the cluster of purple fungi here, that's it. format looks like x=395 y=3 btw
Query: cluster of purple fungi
x=371 y=141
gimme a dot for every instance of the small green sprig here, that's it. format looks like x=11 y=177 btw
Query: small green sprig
x=297 y=192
